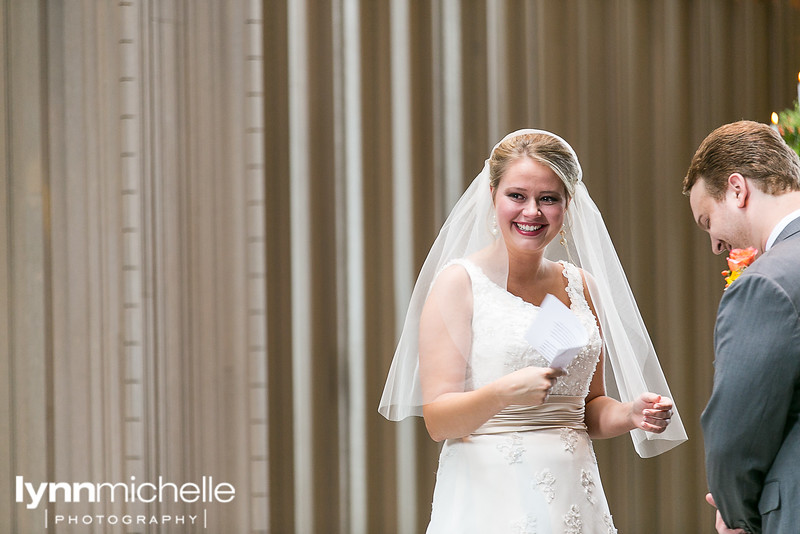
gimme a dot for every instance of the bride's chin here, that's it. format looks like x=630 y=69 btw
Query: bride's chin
x=528 y=246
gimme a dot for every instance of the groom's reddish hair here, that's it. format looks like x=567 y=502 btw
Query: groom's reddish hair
x=752 y=149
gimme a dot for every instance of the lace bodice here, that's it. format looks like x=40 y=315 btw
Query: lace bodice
x=499 y=322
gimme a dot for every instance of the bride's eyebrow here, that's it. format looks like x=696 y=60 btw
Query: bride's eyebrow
x=516 y=188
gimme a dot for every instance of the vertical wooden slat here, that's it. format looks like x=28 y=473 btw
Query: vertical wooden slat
x=319 y=217
x=29 y=360
x=301 y=270
x=259 y=508
x=514 y=61
x=168 y=271
x=8 y=515
x=277 y=226
x=426 y=213
x=340 y=164
x=378 y=233
x=498 y=26
x=473 y=86
x=450 y=101
x=355 y=92
x=403 y=240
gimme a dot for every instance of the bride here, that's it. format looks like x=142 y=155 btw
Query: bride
x=517 y=453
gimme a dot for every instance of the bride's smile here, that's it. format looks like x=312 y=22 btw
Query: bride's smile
x=528 y=229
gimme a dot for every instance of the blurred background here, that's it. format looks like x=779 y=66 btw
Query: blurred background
x=212 y=213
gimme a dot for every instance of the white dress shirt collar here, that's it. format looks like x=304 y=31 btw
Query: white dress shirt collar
x=780 y=227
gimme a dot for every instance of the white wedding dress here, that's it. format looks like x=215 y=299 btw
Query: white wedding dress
x=529 y=470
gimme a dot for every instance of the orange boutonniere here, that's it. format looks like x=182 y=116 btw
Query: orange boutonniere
x=738 y=261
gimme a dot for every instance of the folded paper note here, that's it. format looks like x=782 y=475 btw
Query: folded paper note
x=556 y=333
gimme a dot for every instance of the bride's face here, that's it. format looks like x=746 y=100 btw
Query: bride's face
x=530 y=203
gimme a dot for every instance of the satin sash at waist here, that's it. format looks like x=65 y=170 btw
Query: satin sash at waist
x=558 y=411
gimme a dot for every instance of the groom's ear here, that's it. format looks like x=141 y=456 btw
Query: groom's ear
x=738 y=186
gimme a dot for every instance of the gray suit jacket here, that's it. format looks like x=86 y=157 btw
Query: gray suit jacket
x=750 y=425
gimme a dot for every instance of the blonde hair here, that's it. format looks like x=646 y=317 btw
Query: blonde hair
x=542 y=148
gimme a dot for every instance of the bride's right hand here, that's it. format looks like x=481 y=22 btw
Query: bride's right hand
x=528 y=386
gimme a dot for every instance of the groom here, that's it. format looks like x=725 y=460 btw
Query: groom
x=744 y=189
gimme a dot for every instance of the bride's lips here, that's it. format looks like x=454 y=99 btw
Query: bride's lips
x=527 y=229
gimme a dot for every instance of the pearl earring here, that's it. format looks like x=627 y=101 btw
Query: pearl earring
x=493 y=227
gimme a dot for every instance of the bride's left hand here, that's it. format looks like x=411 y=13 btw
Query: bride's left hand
x=651 y=412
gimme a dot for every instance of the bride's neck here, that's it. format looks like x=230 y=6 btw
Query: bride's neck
x=526 y=269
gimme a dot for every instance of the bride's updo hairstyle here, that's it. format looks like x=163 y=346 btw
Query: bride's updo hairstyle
x=542 y=148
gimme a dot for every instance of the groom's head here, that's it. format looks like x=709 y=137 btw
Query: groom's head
x=735 y=173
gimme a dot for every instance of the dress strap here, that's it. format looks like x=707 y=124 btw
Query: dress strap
x=574 y=286
x=472 y=270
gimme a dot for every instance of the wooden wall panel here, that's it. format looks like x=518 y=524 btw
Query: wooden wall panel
x=212 y=215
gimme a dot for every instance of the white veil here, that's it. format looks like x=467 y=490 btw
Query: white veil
x=467 y=230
